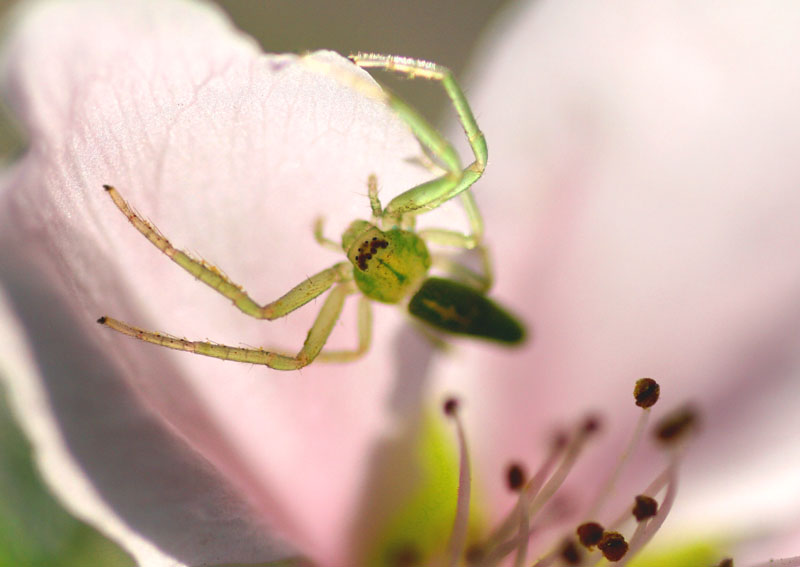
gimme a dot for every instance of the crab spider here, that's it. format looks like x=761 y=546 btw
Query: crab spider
x=386 y=260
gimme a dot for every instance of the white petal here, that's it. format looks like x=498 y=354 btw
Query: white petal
x=232 y=154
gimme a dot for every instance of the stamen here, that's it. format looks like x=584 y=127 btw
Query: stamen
x=458 y=536
x=514 y=532
x=570 y=553
x=534 y=485
x=613 y=546
x=474 y=554
x=515 y=477
x=540 y=489
x=675 y=426
x=590 y=425
x=573 y=448
x=645 y=530
x=516 y=482
x=644 y=508
x=590 y=534
x=405 y=556
x=450 y=407
x=646 y=393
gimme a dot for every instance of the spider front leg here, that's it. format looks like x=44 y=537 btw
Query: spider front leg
x=433 y=193
x=339 y=274
x=211 y=276
x=315 y=340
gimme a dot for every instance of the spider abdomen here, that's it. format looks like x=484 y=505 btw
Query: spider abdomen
x=460 y=309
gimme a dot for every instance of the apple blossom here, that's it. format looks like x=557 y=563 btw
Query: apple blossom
x=616 y=207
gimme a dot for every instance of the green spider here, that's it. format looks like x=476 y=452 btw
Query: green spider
x=387 y=260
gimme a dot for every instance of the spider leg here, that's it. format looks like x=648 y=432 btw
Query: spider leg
x=298 y=296
x=431 y=194
x=472 y=241
x=322 y=240
x=364 y=336
x=315 y=340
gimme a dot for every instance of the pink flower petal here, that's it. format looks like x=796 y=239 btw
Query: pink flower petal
x=116 y=465
x=642 y=203
x=232 y=154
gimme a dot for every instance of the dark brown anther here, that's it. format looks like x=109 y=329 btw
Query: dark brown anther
x=570 y=553
x=645 y=507
x=450 y=406
x=613 y=546
x=405 y=556
x=676 y=425
x=727 y=562
x=515 y=477
x=646 y=392
x=590 y=534
x=591 y=424
x=560 y=440
x=474 y=554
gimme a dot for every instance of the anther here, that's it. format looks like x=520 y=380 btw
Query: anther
x=676 y=425
x=613 y=546
x=515 y=477
x=590 y=534
x=560 y=440
x=570 y=553
x=591 y=424
x=450 y=406
x=644 y=507
x=474 y=554
x=405 y=556
x=727 y=562
x=646 y=392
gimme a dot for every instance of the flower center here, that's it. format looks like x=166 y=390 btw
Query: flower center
x=589 y=543
x=539 y=511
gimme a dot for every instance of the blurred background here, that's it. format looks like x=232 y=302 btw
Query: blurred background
x=34 y=530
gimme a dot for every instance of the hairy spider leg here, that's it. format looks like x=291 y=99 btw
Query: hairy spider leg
x=377 y=215
x=298 y=296
x=374 y=201
x=315 y=340
x=364 y=336
x=312 y=287
x=473 y=241
x=431 y=194
x=456 y=181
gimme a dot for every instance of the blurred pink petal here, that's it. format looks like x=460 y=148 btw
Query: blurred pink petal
x=231 y=154
x=116 y=465
x=642 y=203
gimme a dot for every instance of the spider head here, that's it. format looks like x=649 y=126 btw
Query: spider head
x=387 y=266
